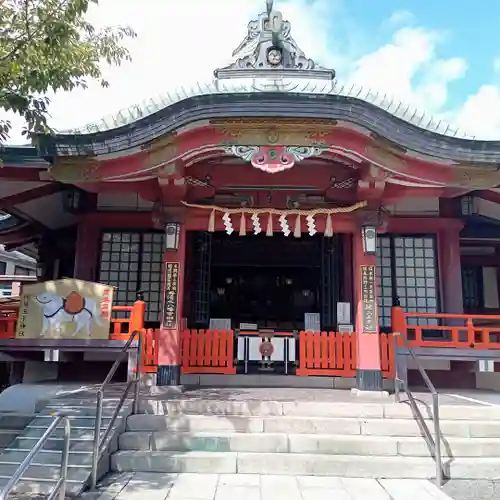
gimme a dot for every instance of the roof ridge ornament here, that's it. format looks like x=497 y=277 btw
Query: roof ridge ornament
x=269 y=51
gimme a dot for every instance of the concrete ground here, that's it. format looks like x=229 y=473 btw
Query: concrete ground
x=446 y=397
x=152 y=486
x=466 y=489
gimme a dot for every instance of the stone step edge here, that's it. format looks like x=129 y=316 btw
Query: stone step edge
x=16 y=414
x=311 y=456
x=27 y=450
x=75 y=416
x=358 y=437
x=489 y=407
x=73 y=427
x=311 y=418
x=32 y=480
x=52 y=438
x=56 y=466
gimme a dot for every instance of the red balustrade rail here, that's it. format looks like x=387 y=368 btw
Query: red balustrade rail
x=126 y=319
x=149 y=358
x=207 y=351
x=327 y=353
x=462 y=331
x=334 y=354
x=8 y=318
x=387 y=355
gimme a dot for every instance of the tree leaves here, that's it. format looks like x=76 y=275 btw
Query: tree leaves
x=48 y=45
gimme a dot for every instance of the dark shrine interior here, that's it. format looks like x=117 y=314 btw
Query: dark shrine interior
x=257 y=279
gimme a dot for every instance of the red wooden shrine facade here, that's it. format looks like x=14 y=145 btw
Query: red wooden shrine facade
x=268 y=224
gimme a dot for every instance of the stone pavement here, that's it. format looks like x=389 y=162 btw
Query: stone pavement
x=467 y=489
x=156 y=486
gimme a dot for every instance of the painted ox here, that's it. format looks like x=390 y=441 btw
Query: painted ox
x=56 y=314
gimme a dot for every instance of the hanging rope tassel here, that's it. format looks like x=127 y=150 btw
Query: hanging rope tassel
x=243 y=225
x=328 y=227
x=298 y=227
x=256 y=223
x=269 y=231
x=228 y=225
x=211 y=222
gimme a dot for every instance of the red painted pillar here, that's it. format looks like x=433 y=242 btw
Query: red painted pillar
x=169 y=338
x=87 y=250
x=368 y=372
x=450 y=269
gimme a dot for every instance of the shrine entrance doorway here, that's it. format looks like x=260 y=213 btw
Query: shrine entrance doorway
x=268 y=283
x=265 y=290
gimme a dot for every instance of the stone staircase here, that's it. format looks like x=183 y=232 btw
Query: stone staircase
x=11 y=425
x=42 y=475
x=349 y=439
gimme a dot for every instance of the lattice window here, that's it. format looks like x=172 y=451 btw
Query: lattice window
x=407 y=272
x=384 y=281
x=473 y=287
x=416 y=275
x=132 y=261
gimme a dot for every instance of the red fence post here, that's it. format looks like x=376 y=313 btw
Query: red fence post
x=398 y=321
x=137 y=316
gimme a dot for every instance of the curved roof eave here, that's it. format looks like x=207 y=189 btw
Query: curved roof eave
x=275 y=105
x=10 y=222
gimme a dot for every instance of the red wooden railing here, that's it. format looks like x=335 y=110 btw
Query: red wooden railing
x=462 y=331
x=327 y=353
x=207 y=351
x=8 y=318
x=320 y=353
x=387 y=355
x=149 y=358
x=122 y=327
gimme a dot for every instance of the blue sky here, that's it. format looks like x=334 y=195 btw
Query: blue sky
x=435 y=56
x=468 y=32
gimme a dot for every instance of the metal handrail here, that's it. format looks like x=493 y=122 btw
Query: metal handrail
x=60 y=486
x=99 y=443
x=434 y=442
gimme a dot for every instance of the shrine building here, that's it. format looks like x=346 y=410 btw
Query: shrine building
x=271 y=222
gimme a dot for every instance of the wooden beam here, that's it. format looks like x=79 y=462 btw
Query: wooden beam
x=488 y=195
x=21 y=174
x=31 y=194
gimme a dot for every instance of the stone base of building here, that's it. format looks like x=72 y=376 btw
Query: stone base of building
x=169 y=375
x=369 y=380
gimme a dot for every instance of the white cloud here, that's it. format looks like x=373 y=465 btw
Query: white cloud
x=481 y=113
x=181 y=43
x=400 y=17
x=408 y=69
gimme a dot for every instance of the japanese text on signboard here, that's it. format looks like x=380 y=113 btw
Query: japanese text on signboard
x=368 y=299
x=171 y=295
x=22 y=315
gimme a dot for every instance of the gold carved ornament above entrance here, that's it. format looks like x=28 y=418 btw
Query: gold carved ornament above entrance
x=267 y=132
x=256 y=213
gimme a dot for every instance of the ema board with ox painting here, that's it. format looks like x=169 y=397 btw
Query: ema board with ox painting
x=65 y=309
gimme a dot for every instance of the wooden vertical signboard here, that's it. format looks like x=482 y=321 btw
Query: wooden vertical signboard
x=368 y=300
x=171 y=295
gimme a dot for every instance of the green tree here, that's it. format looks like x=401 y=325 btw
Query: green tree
x=49 y=45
